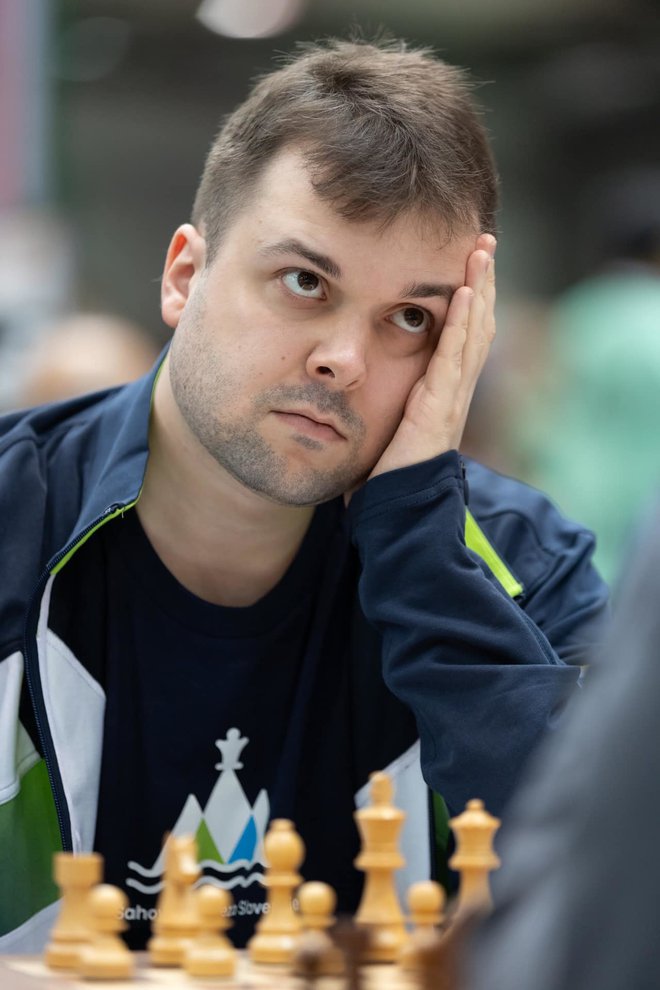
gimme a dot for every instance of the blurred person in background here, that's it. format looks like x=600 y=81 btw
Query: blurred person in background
x=576 y=897
x=85 y=352
x=590 y=439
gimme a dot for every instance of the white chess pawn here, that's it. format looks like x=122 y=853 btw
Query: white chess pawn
x=379 y=911
x=106 y=957
x=317 y=902
x=276 y=932
x=211 y=953
x=426 y=901
x=75 y=875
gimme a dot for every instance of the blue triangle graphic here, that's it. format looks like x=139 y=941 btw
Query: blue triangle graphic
x=245 y=847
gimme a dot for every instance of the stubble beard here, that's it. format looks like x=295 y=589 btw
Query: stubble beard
x=252 y=461
x=201 y=390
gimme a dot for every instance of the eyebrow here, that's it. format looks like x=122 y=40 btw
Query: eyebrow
x=414 y=290
x=293 y=246
x=421 y=290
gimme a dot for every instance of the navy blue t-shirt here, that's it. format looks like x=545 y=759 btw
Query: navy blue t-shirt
x=207 y=718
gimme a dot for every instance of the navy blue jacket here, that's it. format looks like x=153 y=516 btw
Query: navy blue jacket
x=461 y=654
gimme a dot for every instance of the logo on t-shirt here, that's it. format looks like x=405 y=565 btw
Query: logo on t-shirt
x=229 y=830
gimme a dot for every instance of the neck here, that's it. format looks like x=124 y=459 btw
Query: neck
x=224 y=543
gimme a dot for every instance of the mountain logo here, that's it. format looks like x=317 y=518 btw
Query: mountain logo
x=229 y=830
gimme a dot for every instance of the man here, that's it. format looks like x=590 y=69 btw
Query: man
x=577 y=892
x=203 y=583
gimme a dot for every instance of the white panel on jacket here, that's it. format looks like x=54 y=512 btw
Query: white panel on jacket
x=17 y=753
x=411 y=795
x=75 y=706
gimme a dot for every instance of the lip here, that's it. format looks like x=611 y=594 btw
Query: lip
x=311 y=423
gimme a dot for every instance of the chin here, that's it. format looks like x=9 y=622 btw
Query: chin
x=305 y=490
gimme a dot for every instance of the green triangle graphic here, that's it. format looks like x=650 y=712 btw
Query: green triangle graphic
x=206 y=847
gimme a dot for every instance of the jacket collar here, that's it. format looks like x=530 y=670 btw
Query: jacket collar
x=116 y=434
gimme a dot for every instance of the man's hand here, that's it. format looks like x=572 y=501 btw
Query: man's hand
x=437 y=407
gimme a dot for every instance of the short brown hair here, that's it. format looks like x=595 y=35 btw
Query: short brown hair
x=386 y=130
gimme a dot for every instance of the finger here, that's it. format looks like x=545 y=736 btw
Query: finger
x=445 y=366
x=477 y=268
x=487 y=297
x=463 y=344
x=486 y=242
x=481 y=323
x=480 y=336
x=490 y=296
x=485 y=294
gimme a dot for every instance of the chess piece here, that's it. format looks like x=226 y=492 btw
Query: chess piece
x=277 y=931
x=211 y=953
x=106 y=957
x=315 y=953
x=426 y=901
x=75 y=875
x=379 y=826
x=441 y=955
x=352 y=940
x=474 y=857
x=177 y=921
x=307 y=963
x=431 y=962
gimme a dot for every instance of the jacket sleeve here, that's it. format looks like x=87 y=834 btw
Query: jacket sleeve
x=476 y=668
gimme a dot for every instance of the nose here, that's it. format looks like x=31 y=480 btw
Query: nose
x=339 y=357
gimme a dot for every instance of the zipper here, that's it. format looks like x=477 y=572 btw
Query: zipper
x=33 y=675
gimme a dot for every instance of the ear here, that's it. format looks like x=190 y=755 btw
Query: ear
x=184 y=263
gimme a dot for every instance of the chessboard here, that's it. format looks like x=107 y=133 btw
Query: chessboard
x=298 y=944
x=31 y=973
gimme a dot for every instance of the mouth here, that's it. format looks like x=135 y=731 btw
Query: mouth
x=310 y=424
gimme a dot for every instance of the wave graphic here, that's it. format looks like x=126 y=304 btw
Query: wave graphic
x=210 y=864
x=239 y=881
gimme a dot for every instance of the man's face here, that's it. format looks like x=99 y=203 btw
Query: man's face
x=298 y=346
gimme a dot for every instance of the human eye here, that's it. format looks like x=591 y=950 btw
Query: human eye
x=303 y=283
x=413 y=319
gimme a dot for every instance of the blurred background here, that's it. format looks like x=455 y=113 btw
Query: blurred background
x=107 y=108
